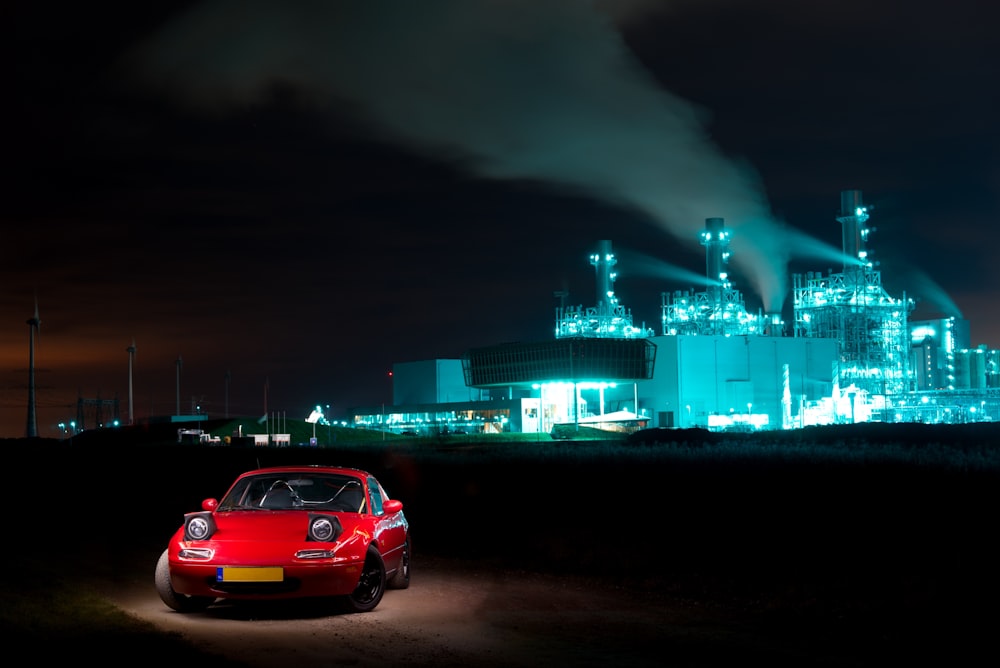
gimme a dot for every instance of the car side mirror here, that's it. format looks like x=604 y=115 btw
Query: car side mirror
x=209 y=504
x=392 y=506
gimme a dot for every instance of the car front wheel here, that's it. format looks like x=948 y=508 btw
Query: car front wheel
x=371 y=586
x=175 y=601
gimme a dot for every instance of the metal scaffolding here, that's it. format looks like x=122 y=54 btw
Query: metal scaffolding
x=720 y=310
x=854 y=308
x=707 y=313
x=103 y=413
x=608 y=319
x=871 y=328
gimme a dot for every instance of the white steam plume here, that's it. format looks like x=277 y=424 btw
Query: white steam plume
x=534 y=89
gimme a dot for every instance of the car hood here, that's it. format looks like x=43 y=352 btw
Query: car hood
x=265 y=525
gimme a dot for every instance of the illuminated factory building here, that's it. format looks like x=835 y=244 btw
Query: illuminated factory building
x=851 y=355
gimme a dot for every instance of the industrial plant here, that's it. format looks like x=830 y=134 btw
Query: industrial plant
x=850 y=354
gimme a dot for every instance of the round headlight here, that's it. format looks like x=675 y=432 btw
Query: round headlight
x=198 y=528
x=321 y=528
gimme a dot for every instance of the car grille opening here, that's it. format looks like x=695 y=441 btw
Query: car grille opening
x=255 y=588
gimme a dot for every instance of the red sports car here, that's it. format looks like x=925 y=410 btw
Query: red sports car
x=289 y=532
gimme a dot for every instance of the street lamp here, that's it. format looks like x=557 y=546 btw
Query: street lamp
x=329 y=440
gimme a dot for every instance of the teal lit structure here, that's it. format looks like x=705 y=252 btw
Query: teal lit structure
x=852 y=354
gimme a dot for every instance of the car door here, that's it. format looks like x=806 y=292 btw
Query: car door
x=390 y=528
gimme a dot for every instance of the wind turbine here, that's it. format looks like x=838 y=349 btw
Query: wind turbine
x=131 y=361
x=34 y=322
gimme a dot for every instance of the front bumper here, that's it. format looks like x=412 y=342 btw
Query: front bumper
x=299 y=578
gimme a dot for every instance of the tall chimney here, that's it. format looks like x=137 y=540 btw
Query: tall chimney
x=853 y=215
x=603 y=261
x=715 y=240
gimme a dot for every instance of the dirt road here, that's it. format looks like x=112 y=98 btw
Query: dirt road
x=456 y=615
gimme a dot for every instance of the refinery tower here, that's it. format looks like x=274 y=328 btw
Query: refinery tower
x=853 y=308
x=720 y=310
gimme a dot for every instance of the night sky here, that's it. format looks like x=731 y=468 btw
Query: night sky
x=299 y=194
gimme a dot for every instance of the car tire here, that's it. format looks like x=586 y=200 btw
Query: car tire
x=173 y=600
x=401 y=578
x=371 y=585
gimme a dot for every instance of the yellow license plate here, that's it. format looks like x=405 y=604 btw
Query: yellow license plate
x=251 y=574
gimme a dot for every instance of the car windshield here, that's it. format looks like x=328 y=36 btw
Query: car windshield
x=297 y=490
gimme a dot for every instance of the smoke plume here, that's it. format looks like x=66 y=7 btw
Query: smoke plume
x=527 y=89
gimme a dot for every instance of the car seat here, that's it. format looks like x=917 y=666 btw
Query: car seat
x=280 y=497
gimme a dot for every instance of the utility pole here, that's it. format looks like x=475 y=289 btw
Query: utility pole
x=32 y=428
x=131 y=360
x=179 y=364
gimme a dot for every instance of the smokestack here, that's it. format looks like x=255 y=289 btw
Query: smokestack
x=853 y=215
x=715 y=239
x=604 y=260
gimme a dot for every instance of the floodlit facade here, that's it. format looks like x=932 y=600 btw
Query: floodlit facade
x=737 y=382
x=852 y=355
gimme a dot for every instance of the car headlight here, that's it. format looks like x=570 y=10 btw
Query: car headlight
x=198 y=526
x=324 y=528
